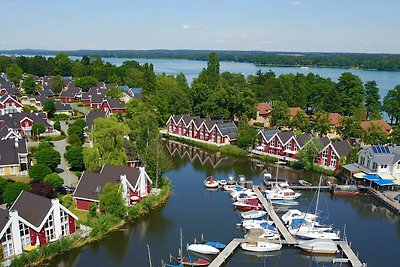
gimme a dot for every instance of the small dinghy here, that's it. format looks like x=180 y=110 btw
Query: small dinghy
x=222 y=183
x=203 y=249
x=260 y=246
x=188 y=262
x=304 y=183
x=253 y=214
x=282 y=202
x=210 y=182
x=319 y=246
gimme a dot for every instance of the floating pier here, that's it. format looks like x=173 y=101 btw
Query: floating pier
x=309 y=187
x=351 y=256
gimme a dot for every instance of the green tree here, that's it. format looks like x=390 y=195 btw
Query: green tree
x=375 y=135
x=57 y=84
x=49 y=107
x=49 y=157
x=395 y=136
x=80 y=122
x=301 y=122
x=57 y=125
x=280 y=114
x=29 y=85
x=350 y=127
x=3 y=184
x=74 y=129
x=111 y=200
x=350 y=93
x=213 y=70
x=372 y=100
x=54 y=179
x=13 y=190
x=391 y=104
x=74 y=155
x=246 y=134
x=352 y=156
x=38 y=171
x=309 y=153
x=78 y=69
x=14 y=73
x=86 y=82
x=92 y=160
x=114 y=92
x=322 y=124
x=38 y=128
x=74 y=139
x=63 y=65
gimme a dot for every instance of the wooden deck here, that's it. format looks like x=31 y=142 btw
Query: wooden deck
x=351 y=256
x=230 y=248
x=308 y=187
x=290 y=240
x=395 y=206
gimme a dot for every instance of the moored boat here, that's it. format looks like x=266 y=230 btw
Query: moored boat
x=203 y=249
x=222 y=183
x=304 y=183
x=210 y=182
x=199 y=262
x=253 y=214
x=260 y=246
x=319 y=246
x=281 y=191
x=284 y=202
x=296 y=214
x=345 y=190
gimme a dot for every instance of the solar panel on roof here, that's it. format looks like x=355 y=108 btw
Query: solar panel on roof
x=378 y=148
x=374 y=149
x=387 y=150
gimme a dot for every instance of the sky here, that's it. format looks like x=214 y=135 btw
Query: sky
x=369 y=26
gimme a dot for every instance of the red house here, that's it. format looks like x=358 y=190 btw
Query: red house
x=9 y=104
x=330 y=155
x=113 y=106
x=203 y=129
x=71 y=94
x=34 y=221
x=23 y=122
x=135 y=183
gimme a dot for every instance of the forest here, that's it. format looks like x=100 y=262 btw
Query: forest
x=382 y=62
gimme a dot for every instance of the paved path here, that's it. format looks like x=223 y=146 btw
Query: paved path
x=84 y=110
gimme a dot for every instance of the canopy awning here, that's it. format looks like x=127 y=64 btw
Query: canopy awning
x=372 y=177
x=384 y=182
x=359 y=175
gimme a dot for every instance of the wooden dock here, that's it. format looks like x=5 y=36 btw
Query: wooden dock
x=395 y=206
x=230 y=248
x=309 y=187
x=351 y=256
x=290 y=240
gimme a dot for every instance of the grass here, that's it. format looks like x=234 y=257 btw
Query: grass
x=23 y=179
x=82 y=215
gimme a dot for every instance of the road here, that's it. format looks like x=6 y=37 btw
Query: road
x=84 y=110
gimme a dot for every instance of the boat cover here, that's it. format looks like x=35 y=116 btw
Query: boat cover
x=217 y=245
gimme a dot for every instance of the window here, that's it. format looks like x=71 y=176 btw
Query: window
x=333 y=160
x=362 y=160
x=6 y=241
x=374 y=165
x=398 y=166
x=1 y=170
x=48 y=227
x=64 y=223
x=25 y=238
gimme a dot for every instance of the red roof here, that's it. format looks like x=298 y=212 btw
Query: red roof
x=334 y=119
x=382 y=123
x=293 y=111
x=264 y=109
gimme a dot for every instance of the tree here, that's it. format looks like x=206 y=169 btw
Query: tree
x=350 y=127
x=352 y=156
x=43 y=189
x=14 y=73
x=391 y=104
x=395 y=136
x=372 y=100
x=54 y=179
x=309 y=153
x=280 y=114
x=13 y=190
x=38 y=128
x=111 y=200
x=63 y=65
x=375 y=135
x=29 y=85
x=49 y=157
x=80 y=122
x=322 y=124
x=57 y=125
x=350 y=93
x=301 y=122
x=57 y=84
x=246 y=134
x=38 y=172
x=86 y=82
x=213 y=70
x=114 y=92
x=74 y=129
x=74 y=155
x=92 y=160
x=49 y=107
x=74 y=139
x=3 y=184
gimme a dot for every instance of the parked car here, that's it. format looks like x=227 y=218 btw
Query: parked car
x=397 y=198
x=65 y=189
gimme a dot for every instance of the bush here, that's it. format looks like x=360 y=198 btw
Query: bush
x=43 y=189
x=74 y=139
x=233 y=150
x=61 y=117
x=54 y=179
x=57 y=125
x=12 y=191
x=48 y=157
x=3 y=185
x=38 y=171
x=67 y=201
x=258 y=124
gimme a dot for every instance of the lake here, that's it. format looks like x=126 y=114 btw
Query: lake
x=372 y=229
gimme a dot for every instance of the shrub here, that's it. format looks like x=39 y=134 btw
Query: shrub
x=57 y=125
x=3 y=184
x=67 y=201
x=38 y=171
x=43 y=189
x=74 y=139
x=48 y=157
x=54 y=179
x=233 y=150
x=12 y=191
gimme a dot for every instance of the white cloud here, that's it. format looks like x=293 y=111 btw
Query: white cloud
x=296 y=2
x=188 y=27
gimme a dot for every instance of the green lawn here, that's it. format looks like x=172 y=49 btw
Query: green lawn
x=24 y=179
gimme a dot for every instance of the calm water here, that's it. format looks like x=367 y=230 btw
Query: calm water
x=373 y=230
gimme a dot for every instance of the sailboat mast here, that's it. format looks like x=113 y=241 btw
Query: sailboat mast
x=319 y=189
x=277 y=171
x=181 y=236
x=148 y=252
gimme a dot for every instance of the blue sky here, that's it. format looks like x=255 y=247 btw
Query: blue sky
x=269 y=25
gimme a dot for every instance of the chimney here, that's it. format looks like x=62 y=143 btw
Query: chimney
x=16 y=142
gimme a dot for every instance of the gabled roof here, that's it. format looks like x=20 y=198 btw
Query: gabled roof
x=264 y=109
x=335 y=119
x=115 y=103
x=293 y=111
x=227 y=128
x=4 y=98
x=382 y=154
x=382 y=123
x=342 y=147
x=97 y=98
x=32 y=208
x=13 y=120
x=4 y=218
x=62 y=107
x=92 y=115
x=268 y=134
x=70 y=92
x=9 y=152
x=324 y=141
x=46 y=92
x=302 y=139
x=285 y=136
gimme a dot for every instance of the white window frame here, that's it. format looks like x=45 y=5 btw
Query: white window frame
x=49 y=228
x=25 y=236
x=7 y=243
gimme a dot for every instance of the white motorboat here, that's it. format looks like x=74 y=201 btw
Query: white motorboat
x=231 y=180
x=260 y=246
x=319 y=246
x=203 y=249
x=242 y=179
x=210 y=182
x=246 y=195
x=259 y=224
x=296 y=214
x=240 y=190
x=267 y=176
x=281 y=191
x=304 y=183
x=222 y=183
x=253 y=214
x=304 y=229
x=229 y=187
x=284 y=202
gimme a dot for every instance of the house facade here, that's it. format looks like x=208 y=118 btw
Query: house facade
x=13 y=156
x=9 y=104
x=263 y=114
x=113 y=106
x=71 y=94
x=202 y=129
x=21 y=228
x=135 y=183
x=23 y=122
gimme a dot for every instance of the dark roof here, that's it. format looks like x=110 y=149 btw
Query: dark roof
x=36 y=215
x=116 y=103
x=6 y=96
x=91 y=184
x=97 y=98
x=92 y=115
x=46 y=92
x=13 y=120
x=85 y=96
x=268 y=134
x=285 y=136
x=72 y=91
x=138 y=96
x=4 y=218
x=110 y=85
x=9 y=152
x=11 y=90
x=303 y=138
x=228 y=128
x=342 y=147
x=325 y=141
x=62 y=107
